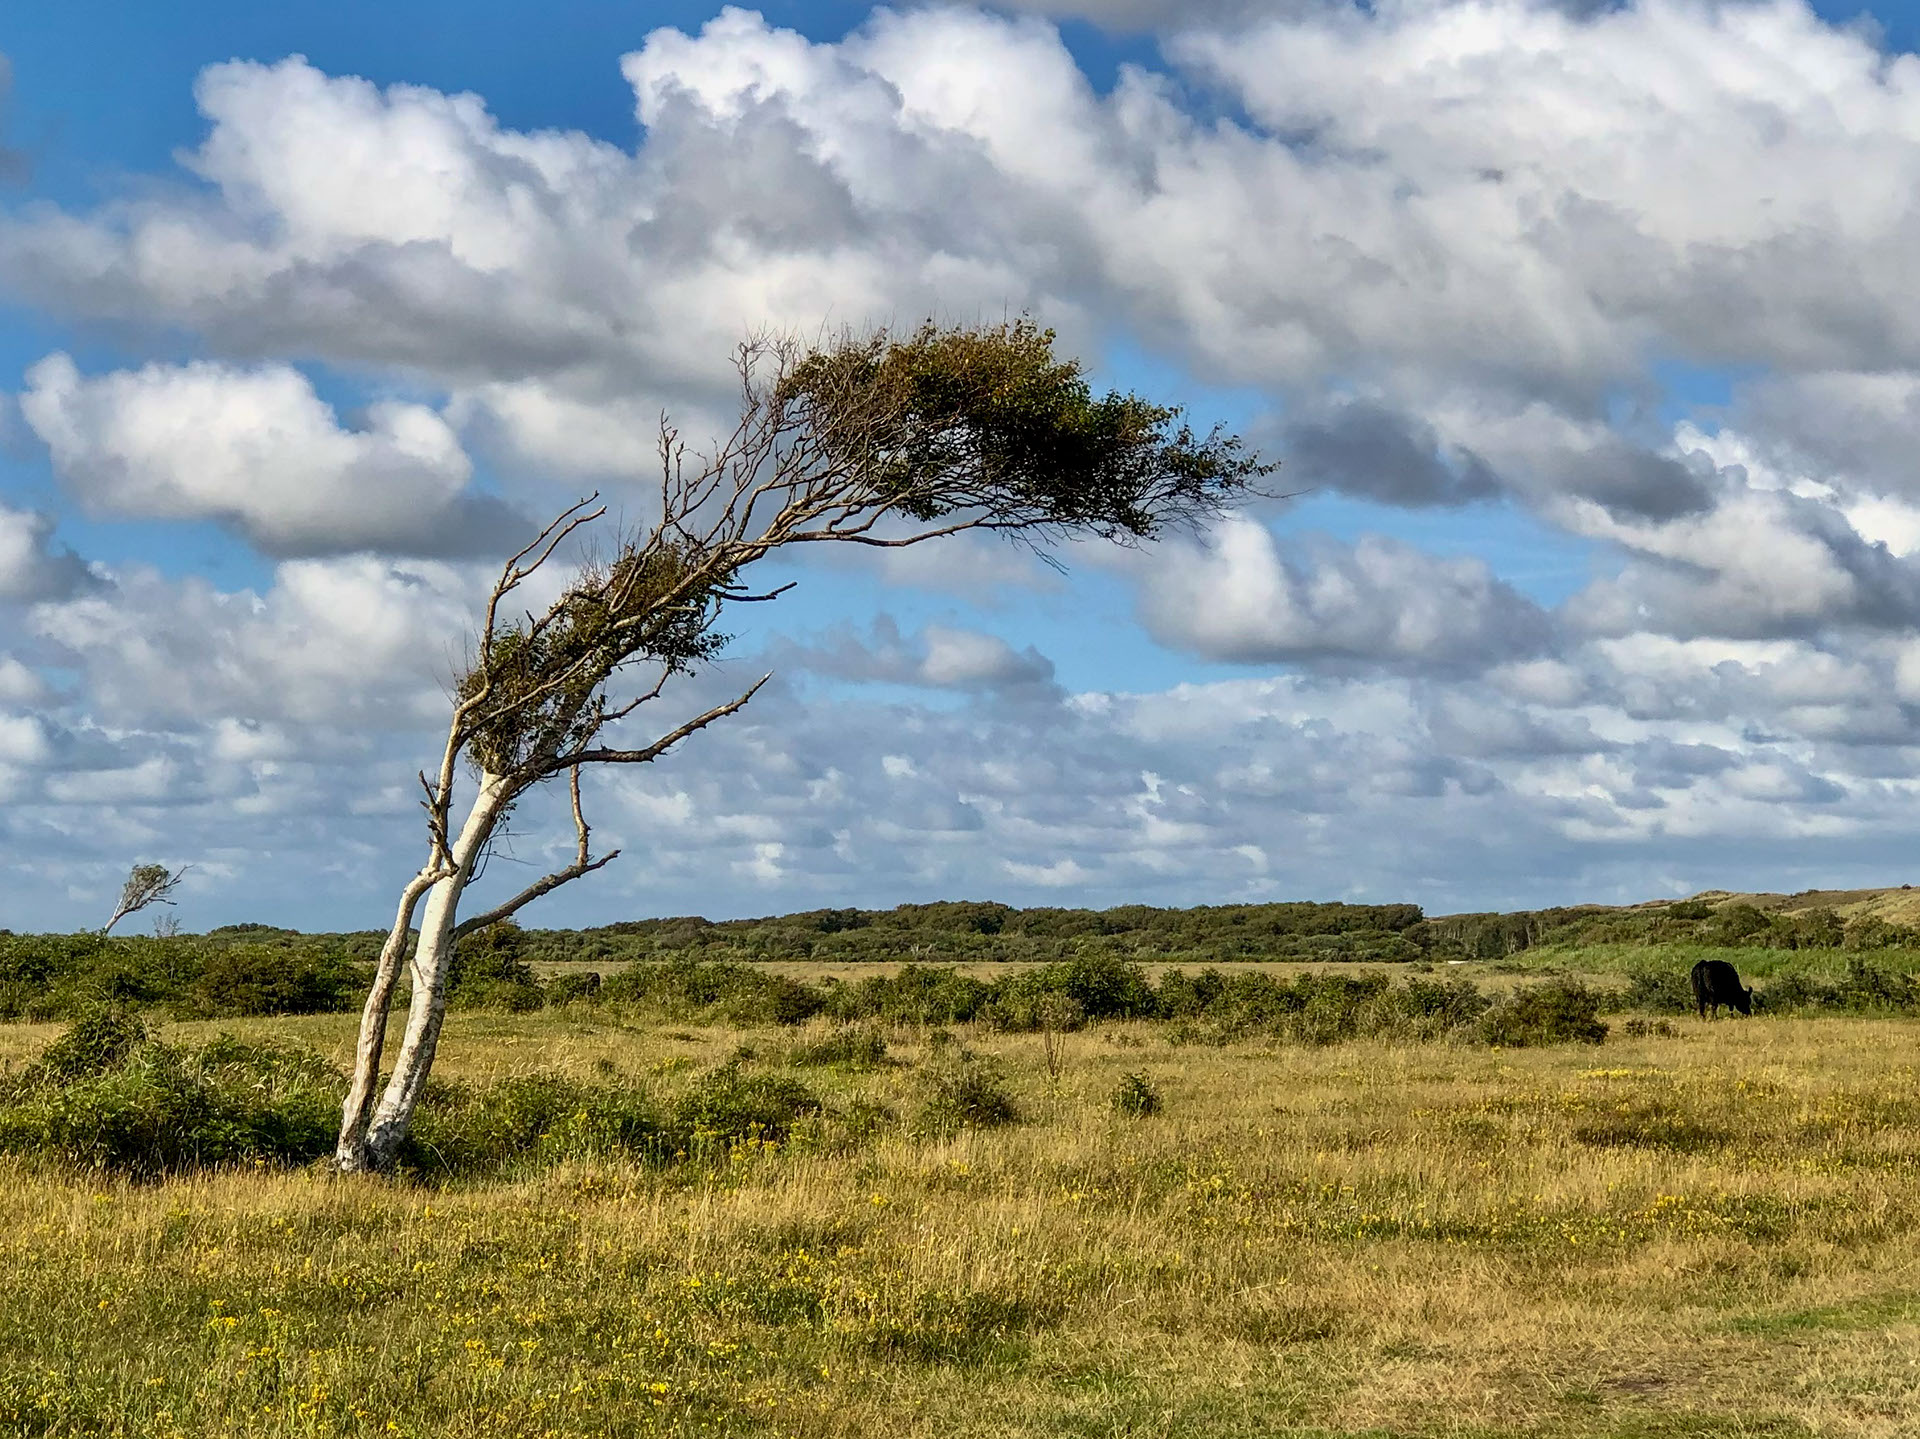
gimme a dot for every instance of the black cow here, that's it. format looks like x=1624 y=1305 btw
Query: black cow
x=1715 y=982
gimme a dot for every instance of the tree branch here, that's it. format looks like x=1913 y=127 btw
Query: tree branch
x=581 y=865
x=659 y=746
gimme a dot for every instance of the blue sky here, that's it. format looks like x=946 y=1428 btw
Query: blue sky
x=1587 y=340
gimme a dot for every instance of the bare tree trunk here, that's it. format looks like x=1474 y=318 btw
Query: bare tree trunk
x=378 y=1143
x=358 y=1110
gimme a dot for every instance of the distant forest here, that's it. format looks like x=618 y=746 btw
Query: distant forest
x=261 y=969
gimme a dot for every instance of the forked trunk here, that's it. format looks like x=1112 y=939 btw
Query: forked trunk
x=373 y=1140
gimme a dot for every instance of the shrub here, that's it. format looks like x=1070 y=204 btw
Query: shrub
x=515 y=996
x=1430 y=1008
x=106 y=1095
x=915 y=994
x=1738 y=924
x=1182 y=995
x=1659 y=991
x=850 y=1046
x=729 y=1105
x=487 y=971
x=101 y=1040
x=251 y=979
x=716 y=990
x=964 y=1091
x=542 y=1117
x=1099 y=986
x=1135 y=1095
x=1868 y=986
x=573 y=988
x=1872 y=932
x=1333 y=1008
x=1555 y=1013
x=1865 y=986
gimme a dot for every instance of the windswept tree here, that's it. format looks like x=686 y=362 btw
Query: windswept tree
x=146 y=884
x=880 y=440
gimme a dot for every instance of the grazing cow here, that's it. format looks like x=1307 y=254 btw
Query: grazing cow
x=1715 y=982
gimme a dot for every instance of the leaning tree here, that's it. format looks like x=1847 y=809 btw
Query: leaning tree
x=883 y=439
x=146 y=884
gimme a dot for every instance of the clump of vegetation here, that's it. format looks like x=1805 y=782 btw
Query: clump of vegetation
x=1093 y=986
x=913 y=994
x=963 y=1090
x=730 y=1105
x=1865 y=988
x=577 y=988
x=846 y=1046
x=533 y=1118
x=1659 y=990
x=712 y=991
x=487 y=972
x=1561 y=1012
x=246 y=980
x=1317 y=1008
x=1136 y=1096
x=539 y=1119
x=97 y=1043
x=241 y=970
x=108 y=1095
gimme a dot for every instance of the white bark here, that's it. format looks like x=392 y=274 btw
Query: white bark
x=358 y=1109
x=379 y=1143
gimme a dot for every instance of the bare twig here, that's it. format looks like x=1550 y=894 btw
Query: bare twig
x=581 y=865
x=664 y=743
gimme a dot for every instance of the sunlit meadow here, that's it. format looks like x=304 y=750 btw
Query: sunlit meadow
x=1705 y=1233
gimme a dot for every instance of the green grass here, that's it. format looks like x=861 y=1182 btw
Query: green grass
x=1716 y=1233
x=1598 y=960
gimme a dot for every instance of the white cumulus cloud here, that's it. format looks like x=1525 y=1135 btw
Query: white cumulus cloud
x=259 y=449
x=1242 y=598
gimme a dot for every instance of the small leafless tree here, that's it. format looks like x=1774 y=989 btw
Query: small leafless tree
x=146 y=884
x=880 y=440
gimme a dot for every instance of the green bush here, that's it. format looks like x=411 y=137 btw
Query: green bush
x=914 y=994
x=1097 y=985
x=716 y=991
x=1135 y=1095
x=1735 y=925
x=459 y=1129
x=1872 y=932
x=964 y=1090
x=1869 y=987
x=573 y=988
x=98 y=1042
x=1182 y=995
x=1865 y=987
x=1561 y=1012
x=108 y=1096
x=849 y=1046
x=730 y=1105
x=1429 y=1008
x=1659 y=991
x=487 y=972
x=251 y=979
x=1794 y=990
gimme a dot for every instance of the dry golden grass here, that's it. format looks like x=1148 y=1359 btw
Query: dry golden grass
x=1713 y=1234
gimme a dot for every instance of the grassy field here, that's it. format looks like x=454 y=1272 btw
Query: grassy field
x=1707 y=1234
